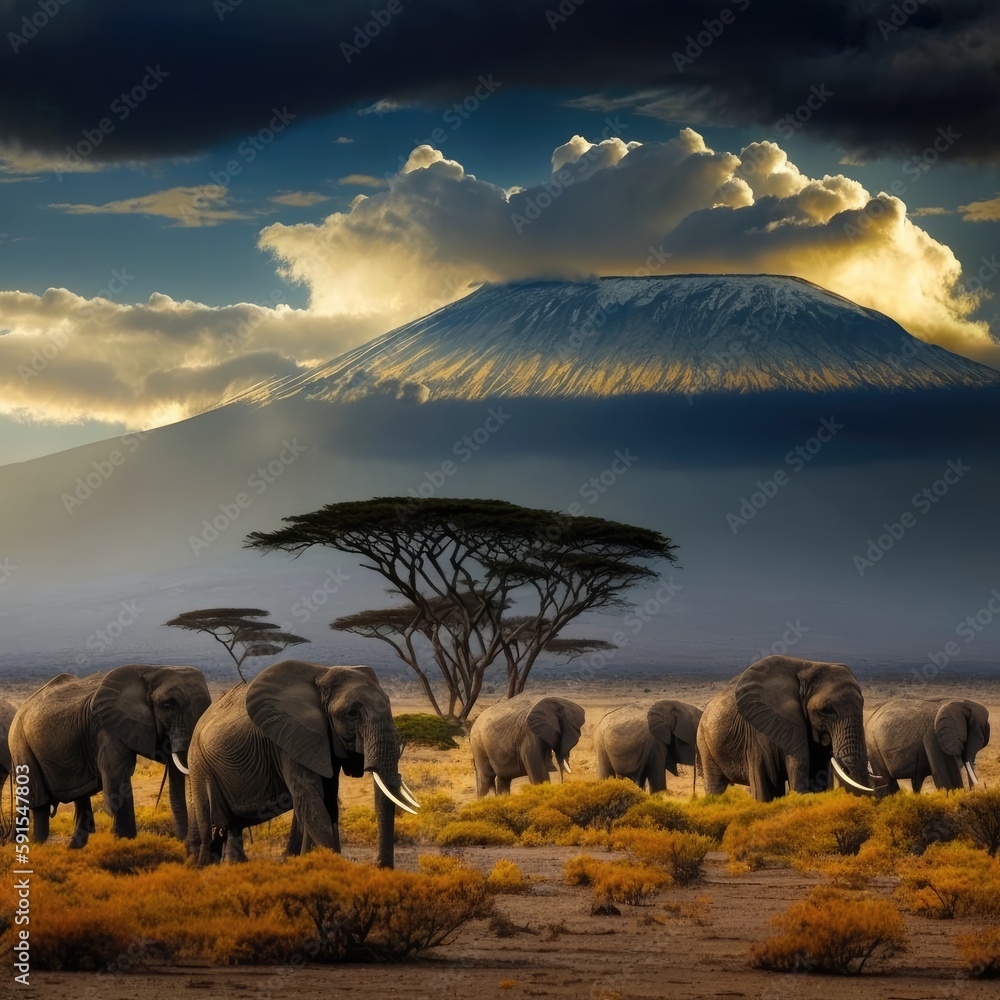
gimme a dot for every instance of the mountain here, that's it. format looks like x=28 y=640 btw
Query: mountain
x=777 y=432
x=677 y=334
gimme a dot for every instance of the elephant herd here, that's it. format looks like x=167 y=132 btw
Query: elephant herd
x=782 y=723
x=280 y=742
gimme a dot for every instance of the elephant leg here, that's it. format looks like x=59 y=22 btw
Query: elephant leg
x=657 y=779
x=40 y=825
x=502 y=786
x=233 y=851
x=84 y=825
x=948 y=773
x=117 y=785
x=331 y=790
x=715 y=781
x=308 y=801
x=485 y=778
x=294 y=845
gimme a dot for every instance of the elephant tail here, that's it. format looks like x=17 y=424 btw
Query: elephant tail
x=698 y=768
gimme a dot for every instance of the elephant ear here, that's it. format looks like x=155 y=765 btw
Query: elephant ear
x=674 y=723
x=121 y=705
x=769 y=697
x=283 y=702
x=557 y=723
x=951 y=727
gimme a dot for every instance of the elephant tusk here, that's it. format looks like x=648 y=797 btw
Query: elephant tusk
x=404 y=788
x=566 y=767
x=392 y=798
x=177 y=763
x=848 y=780
x=973 y=780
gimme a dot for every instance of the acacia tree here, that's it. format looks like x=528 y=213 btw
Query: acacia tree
x=462 y=565
x=234 y=627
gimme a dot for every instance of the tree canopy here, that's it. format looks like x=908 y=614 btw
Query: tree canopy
x=462 y=566
x=236 y=627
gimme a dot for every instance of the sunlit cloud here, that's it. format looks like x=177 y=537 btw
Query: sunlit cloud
x=364 y=180
x=299 y=199
x=981 y=211
x=626 y=208
x=202 y=205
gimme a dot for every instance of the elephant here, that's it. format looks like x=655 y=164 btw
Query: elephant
x=785 y=719
x=280 y=742
x=7 y=711
x=642 y=741
x=917 y=738
x=81 y=735
x=519 y=737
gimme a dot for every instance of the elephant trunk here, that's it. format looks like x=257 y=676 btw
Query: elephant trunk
x=850 y=755
x=381 y=752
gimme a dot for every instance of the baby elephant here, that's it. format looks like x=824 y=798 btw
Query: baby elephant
x=519 y=737
x=642 y=741
x=917 y=738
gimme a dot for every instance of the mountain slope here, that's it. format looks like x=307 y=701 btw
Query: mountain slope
x=678 y=334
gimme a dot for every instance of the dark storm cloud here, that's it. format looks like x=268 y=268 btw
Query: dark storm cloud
x=201 y=72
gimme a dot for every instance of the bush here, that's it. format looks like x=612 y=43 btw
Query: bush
x=150 y=820
x=426 y=730
x=712 y=815
x=909 y=824
x=979 y=818
x=951 y=880
x=615 y=881
x=506 y=877
x=144 y=853
x=681 y=855
x=654 y=813
x=319 y=906
x=469 y=833
x=981 y=953
x=359 y=826
x=831 y=932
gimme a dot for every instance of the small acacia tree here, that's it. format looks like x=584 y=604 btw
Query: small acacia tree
x=461 y=565
x=236 y=627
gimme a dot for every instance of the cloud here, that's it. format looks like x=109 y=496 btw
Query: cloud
x=66 y=358
x=624 y=208
x=343 y=140
x=299 y=199
x=981 y=211
x=384 y=106
x=920 y=213
x=203 y=205
x=363 y=180
x=896 y=75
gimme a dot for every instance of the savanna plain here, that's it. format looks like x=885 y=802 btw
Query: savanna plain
x=581 y=889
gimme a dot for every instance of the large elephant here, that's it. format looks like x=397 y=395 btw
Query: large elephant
x=520 y=736
x=7 y=712
x=917 y=738
x=81 y=735
x=280 y=743
x=785 y=720
x=643 y=741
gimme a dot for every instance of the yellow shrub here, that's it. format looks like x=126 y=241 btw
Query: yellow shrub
x=468 y=833
x=149 y=820
x=681 y=855
x=506 y=877
x=713 y=814
x=909 y=824
x=654 y=813
x=359 y=826
x=831 y=932
x=951 y=880
x=437 y=864
x=128 y=857
x=981 y=952
x=979 y=818
x=547 y=820
x=874 y=860
x=615 y=881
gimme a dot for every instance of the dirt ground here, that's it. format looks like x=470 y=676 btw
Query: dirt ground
x=687 y=943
